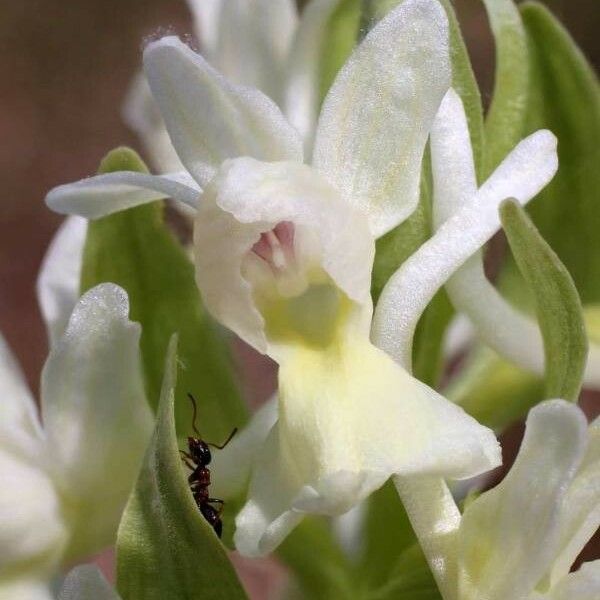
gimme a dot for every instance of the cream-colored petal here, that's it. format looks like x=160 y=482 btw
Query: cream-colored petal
x=207 y=16
x=349 y=418
x=580 y=517
x=249 y=197
x=254 y=42
x=59 y=277
x=583 y=584
x=103 y=195
x=86 y=582
x=302 y=100
x=378 y=113
x=267 y=517
x=96 y=417
x=32 y=531
x=19 y=422
x=524 y=172
x=231 y=467
x=210 y=119
x=510 y=534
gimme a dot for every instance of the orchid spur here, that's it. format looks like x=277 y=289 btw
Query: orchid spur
x=66 y=480
x=284 y=254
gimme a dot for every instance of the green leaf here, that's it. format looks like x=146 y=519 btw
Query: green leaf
x=565 y=98
x=321 y=569
x=557 y=303
x=166 y=550
x=493 y=390
x=410 y=579
x=506 y=115
x=135 y=249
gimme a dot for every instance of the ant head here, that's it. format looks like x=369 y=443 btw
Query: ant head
x=200 y=451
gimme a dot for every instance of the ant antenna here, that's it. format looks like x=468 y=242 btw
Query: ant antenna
x=225 y=442
x=193 y=401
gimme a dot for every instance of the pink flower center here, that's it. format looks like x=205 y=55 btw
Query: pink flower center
x=276 y=247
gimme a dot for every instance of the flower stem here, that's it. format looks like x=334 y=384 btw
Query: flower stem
x=435 y=519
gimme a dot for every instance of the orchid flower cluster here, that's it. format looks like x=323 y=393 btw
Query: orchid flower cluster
x=295 y=192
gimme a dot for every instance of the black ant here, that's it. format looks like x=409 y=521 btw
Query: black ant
x=199 y=479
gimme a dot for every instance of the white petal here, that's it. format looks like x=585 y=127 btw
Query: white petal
x=19 y=423
x=254 y=42
x=33 y=533
x=103 y=195
x=248 y=198
x=525 y=171
x=498 y=324
x=376 y=118
x=509 y=535
x=95 y=414
x=584 y=584
x=302 y=98
x=207 y=14
x=142 y=115
x=267 y=517
x=86 y=582
x=230 y=470
x=25 y=589
x=210 y=119
x=349 y=418
x=59 y=277
x=581 y=510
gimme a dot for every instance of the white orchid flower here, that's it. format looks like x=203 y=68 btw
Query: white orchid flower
x=496 y=322
x=67 y=477
x=263 y=44
x=86 y=582
x=520 y=539
x=284 y=254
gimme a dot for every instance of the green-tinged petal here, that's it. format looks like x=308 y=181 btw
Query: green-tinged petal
x=583 y=584
x=166 y=550
x=581 y=509
x=326 y=33
x=557 y=303
x=22 y=588
x=210 y=119
x=58 y=280
x=136 y=250
x=506 y=115
x=108 y=193
x=350 y=418
x=378 y=113
x=510 y=534
x=254 y=39
x=521 y=175
x=95 y=415
x=86 y=582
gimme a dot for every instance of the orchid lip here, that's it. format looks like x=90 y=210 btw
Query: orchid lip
x=276 y=246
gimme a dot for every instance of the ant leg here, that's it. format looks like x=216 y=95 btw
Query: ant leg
x=226 y=441
x=188 y=464
x=187 y=455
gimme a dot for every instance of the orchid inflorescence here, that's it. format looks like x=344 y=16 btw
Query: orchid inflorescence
x=293 y=192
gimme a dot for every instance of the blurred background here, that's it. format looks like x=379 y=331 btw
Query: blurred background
x=66 y=67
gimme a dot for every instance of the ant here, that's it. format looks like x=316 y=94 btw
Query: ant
x=199 y=480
